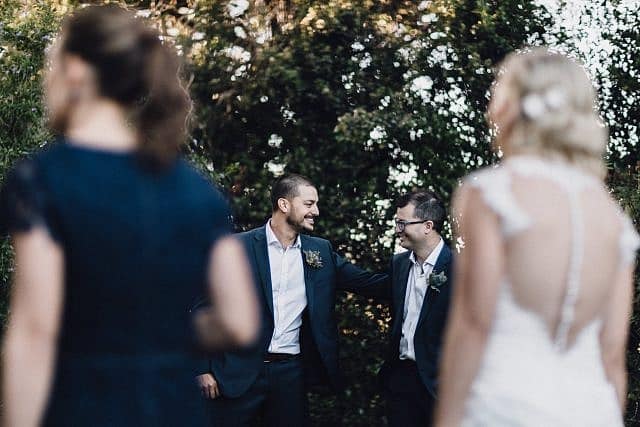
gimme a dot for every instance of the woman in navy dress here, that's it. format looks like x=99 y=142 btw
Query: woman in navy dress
x=114 y=235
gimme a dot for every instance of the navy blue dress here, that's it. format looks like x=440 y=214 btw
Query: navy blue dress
x=136 y=248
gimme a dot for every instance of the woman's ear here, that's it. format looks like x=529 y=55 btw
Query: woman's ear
x=503 y=110
x=80 y=77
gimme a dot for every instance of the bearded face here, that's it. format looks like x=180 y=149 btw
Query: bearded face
x=303 y=209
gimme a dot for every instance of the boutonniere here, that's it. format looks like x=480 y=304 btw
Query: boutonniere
x=313 y=259
x=435 y=281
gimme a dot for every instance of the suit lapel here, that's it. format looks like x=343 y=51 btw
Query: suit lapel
x=441 y=263
x=309 y=275
x=261 y=253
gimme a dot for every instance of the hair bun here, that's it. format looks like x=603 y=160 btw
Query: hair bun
x=556 y=103
x=584 y=131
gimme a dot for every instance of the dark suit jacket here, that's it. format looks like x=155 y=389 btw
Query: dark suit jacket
x=236 y=371
x=433 y=316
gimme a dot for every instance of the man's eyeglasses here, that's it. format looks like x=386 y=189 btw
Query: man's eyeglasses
x=401 y=224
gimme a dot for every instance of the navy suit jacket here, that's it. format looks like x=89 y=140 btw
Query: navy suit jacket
x=236 y=371
x=433 y=316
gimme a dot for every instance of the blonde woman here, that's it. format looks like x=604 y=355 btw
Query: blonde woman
x=543 y=292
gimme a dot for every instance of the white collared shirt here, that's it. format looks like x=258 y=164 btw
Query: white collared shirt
x=413 y=299
x=288 y=291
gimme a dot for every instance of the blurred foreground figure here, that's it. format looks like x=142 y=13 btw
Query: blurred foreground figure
x=543 y=294
x=113 y=234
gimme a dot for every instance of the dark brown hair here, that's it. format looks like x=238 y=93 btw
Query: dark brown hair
x=427 y=206
x=287 y=187
x=136 y=70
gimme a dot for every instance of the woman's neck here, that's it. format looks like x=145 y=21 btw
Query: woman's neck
x=101 y=124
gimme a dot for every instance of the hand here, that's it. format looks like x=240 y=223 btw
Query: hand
x=208 y=386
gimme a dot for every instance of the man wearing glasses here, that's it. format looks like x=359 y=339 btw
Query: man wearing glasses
x=421 y=287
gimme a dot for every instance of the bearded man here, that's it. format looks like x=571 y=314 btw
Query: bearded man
x=296 y=278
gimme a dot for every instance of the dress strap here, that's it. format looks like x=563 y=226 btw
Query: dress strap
x=495 y=186
x=576 y=259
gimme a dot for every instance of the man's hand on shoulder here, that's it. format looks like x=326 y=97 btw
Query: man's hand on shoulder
x=208 y=386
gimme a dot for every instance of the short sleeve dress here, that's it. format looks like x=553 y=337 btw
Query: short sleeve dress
x=136 y=247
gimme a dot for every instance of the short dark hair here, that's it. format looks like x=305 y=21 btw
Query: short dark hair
x=287 y=187
x=427 y=207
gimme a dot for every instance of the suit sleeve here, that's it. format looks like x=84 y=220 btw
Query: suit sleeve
x=354 y=279
x=204 y=364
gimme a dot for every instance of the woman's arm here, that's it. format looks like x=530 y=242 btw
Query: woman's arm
x=232 y=319
x=613 y=336
x=478 y=271
x=30 y=341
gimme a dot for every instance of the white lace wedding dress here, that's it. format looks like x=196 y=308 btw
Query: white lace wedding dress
x=565 y=241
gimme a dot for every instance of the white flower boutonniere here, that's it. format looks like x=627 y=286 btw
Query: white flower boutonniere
x=313 y=259
x=436 y=281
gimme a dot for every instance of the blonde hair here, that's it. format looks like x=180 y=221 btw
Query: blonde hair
x=557 y=115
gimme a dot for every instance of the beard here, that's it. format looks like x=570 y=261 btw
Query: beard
x=298 y=223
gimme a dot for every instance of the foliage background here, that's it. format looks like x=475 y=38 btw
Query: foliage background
x=368 y=98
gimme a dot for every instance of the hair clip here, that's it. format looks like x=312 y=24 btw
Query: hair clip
x=534 y=105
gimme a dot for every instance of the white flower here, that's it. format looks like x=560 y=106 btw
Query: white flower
x=533 y=106
x=421 y=83
x=378 y=133
x=421 y=86
x=277 y=169
x=145 y=13
x=423 y=5
x=555 y=98
x=237 y=7
x=428 y=18
x=287 y=114
x=173 y=32
x=238 y=53
x=365 y=61
x=239 y=32
x=275 y=140
x=357 y=46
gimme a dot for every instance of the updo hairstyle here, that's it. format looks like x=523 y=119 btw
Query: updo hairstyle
x=556 y=109
x=135 y=69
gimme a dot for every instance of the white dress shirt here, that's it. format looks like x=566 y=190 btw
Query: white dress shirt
x=289 y=293
x=413 y=299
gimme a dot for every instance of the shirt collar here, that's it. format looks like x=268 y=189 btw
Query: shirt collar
x=273 y=240
x=433 y=256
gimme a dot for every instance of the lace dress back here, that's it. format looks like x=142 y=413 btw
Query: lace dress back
x=565 y=240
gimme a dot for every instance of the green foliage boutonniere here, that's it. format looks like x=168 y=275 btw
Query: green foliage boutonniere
x=437 y=280
x=313 y=259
